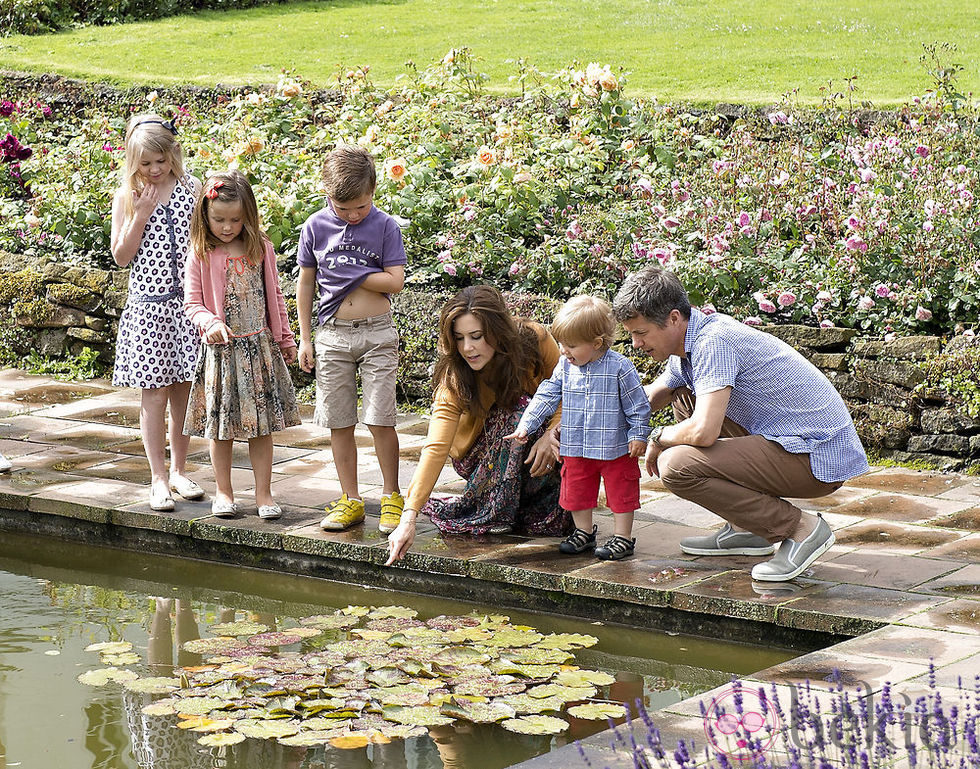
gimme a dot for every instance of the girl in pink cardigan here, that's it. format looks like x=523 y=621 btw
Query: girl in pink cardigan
x=241 y=388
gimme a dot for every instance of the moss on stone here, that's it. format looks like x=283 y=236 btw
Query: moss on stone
x=25 y=285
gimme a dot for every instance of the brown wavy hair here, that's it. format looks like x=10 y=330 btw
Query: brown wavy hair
x=516 y=365
x=227 y=187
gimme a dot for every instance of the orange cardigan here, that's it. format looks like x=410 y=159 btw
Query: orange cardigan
x=453 y=429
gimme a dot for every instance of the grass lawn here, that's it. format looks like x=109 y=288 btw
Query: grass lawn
x=703 y=51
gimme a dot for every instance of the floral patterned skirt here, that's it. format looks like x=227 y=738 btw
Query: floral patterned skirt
x=241 y=390
x=500 y=490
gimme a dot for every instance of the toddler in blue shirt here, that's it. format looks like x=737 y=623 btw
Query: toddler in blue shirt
x=605 y=422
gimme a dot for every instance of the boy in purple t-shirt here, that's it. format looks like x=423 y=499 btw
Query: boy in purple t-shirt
x=352 y=255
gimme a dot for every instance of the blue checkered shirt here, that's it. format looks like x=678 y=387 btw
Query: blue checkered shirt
x=603 y=407
x=776 y=392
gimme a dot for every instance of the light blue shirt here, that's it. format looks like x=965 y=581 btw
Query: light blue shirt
x=603 y=407
x=776 y=392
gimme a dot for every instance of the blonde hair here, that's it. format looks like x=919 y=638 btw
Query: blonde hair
x=227 y=187
x=148 y=133
x=349 y=173
x=585 y=319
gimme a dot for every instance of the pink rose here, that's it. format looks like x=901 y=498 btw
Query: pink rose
x=921 y=313
x=709 y=309
x=786 y=299
x=922 y=151
x=826 y=324
x=753 y=320
x=766 y=306
x=866 y=303
x=450 y=268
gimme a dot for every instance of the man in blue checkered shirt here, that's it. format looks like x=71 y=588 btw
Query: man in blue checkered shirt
x=757 y=422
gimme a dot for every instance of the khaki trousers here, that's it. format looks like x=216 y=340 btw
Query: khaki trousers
x=741 y=478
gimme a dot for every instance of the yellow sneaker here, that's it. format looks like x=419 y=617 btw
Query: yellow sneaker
x=343 y=514
x=391 y=512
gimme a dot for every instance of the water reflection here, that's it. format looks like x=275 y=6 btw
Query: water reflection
x=57 y=598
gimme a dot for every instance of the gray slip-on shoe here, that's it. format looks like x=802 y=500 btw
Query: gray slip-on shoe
x=727 y=541
x=793 y=558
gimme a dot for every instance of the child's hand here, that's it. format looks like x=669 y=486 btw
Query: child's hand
x=638 y=448
x=520 y=436
x=289 y=355
x=144 y=202
x=218 y=334
x=307 y=356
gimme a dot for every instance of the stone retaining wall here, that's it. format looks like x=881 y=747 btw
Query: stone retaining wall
x=58 y=310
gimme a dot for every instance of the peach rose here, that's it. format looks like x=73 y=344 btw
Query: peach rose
x=486 y=156
x=607 y=80
x=253 y=145
x=395 y=169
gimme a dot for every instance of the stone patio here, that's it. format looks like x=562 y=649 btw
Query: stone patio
x=900 y=586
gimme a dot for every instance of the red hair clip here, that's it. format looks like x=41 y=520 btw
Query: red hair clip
x=212 y=192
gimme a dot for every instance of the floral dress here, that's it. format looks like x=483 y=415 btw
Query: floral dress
x=157 y=344
x=242 y=389
x=500 y=490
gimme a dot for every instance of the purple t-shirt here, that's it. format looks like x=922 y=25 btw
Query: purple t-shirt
x=345 y=254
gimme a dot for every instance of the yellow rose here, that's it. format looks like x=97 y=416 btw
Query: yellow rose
x=395 y=169
x=290 y=88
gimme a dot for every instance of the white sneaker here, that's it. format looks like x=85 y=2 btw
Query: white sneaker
x=160 y=499
x=4 y=464
x=185 y=487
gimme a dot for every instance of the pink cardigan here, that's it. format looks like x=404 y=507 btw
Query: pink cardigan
x=204 y=300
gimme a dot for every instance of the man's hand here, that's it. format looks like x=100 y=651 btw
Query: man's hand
x=653 y=453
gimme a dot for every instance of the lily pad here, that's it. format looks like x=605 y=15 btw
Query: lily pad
x=153 y=685
x=274 y=639
x=350 y=741
x=198 y=706
x=421 y=715
x=523 y=703
x=164 y=707
x=325 y=724
x=492 y=686
x=537 y=672
x=265 y=729
x=310 y=739
x=582 y=677
x=126 y=658
x=567 y=693
x=242 y=628
x=535 y=655
x=568 y=641
x=387 y=677
x=330 y=621
x=205 y=724
x=446 y=623
x=355 y=611
x=104 y=675
x=403 y=612
x=221 y=739
x=535 y=725
x=460 y=655
x=218 y=645
x=597 y=711
x=514 y=638
x=479 y=712
x=110 y=647
x=304 y=632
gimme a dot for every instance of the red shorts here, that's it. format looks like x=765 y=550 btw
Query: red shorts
x=580 y=483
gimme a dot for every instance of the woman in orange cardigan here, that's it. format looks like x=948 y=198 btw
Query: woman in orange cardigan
x=489 y=366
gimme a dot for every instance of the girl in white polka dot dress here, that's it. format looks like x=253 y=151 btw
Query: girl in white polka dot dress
x=156 y=349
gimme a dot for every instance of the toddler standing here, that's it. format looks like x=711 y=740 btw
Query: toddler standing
x=605 y=421
x=156 y=348
x=353 y=254
x=241 y=389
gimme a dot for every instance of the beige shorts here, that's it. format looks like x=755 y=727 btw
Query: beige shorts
x=344 y=347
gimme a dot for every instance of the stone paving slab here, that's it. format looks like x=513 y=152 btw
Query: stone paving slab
x=902 y=582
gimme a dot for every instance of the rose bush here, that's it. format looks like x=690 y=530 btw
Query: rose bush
x=819 y=216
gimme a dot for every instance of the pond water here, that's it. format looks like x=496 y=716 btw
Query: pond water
x=56 y=598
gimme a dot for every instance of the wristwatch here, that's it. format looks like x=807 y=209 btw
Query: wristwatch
x=655 y=436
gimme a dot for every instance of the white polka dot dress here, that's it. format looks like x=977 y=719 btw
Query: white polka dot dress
x=157 y=344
